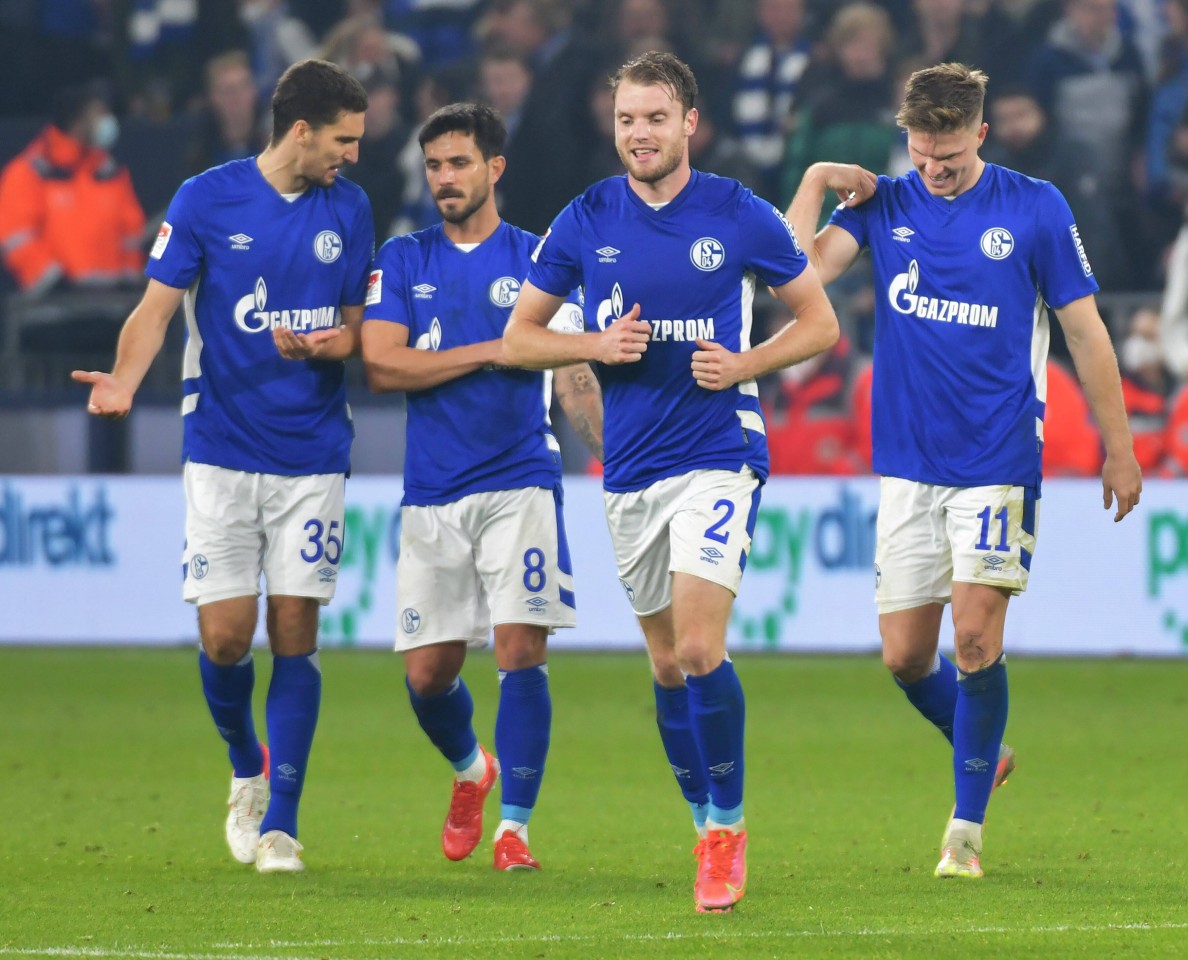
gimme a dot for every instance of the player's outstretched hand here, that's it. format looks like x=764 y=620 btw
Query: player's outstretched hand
x=852 y=184
x=303 y=346
x=716 y=367
x=625 y=340
x=1121 y=479
x=109 y=398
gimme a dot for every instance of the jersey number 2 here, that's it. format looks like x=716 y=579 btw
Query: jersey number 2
x=712 y=532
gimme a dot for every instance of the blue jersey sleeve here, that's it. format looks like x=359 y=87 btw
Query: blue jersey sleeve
x=556 y=266
x=855 y=220
x=176 y=257
x=770 y=248
x=385 y=289
x=1062 y=270
x=360 y=251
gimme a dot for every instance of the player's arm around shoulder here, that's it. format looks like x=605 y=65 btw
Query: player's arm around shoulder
x=528 y=342
x=139 y=343
x=832 y=250
x=1097 y=368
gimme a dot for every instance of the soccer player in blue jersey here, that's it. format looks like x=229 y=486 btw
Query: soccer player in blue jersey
x=668 y=258
x=482 y=542
x=270 y=256
x=967 y=256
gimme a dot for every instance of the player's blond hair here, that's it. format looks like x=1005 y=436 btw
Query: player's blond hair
x=945 y=98
x=659 y=68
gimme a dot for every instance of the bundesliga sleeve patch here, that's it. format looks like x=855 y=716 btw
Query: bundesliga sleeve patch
x=375 y=287
x=162 y=241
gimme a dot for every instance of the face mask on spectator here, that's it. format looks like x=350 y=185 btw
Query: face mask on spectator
x=105 y=132
x=1139 y=352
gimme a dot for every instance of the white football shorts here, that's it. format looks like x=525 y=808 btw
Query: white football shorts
x=239 y=525
x=483 y=560
x=698 y=523
x=930 y=536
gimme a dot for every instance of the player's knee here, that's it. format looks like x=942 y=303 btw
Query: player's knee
x=975 y=648
x=518 y=650
x=430 y=679
x=699 y=656
x=908 y=666
x=224 y=645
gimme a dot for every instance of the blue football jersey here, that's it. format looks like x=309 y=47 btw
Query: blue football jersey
x=692 y=267
x=250 y=260
x=489 y=429
x=961 y=332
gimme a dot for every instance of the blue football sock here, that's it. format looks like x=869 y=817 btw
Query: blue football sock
x=935 y=696
x=228 y=693
x=978 y=725
x=447 y=720
x=717 y=717
x=522 y=727
x=672 y=718
x=294 y=697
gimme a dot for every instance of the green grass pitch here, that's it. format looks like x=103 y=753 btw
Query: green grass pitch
x=112 y=784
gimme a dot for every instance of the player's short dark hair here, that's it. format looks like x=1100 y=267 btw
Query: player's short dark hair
x=316 y=91
x=944 y=98
x=474 y=119
x=659 y=69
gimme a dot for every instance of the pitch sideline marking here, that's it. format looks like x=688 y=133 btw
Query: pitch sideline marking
x=578 y=938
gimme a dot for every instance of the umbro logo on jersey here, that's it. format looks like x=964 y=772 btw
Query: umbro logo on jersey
x=903 y=234
x=607 y=254
x=423 y=291
x=538 y=602
x=240 y=241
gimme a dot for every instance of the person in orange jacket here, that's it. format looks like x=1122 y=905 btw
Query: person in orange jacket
x=67 y=208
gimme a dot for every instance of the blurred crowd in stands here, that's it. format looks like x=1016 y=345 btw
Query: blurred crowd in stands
x=107 y=105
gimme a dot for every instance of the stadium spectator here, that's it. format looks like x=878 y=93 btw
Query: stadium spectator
x=1169 y=99
x=230 y=123
x=443 y=30
x=1021 y=138
x=378 y=170
x=942 y=31
x=552 y=123
x=68 y=213
x=267 y=431
x=810 y=425
x=1072 y=442
x=1145 y=387
x=277 y=39
x=1090 y=81
x=159 y=48
x=363 y=46
x=504 y=81
x=1176 y=441
x=954 y=410
x=1009 y=32
x=482 y=541
x=1173 y=313
x=844 y=104
x=766 y=81
x=686 y=246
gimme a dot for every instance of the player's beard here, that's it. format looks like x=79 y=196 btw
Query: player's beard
x=669 y=158
x=463 y=213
